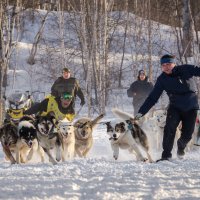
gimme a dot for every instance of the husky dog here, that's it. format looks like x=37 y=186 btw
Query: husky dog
x=155 y=126
x=127 y=134
x=48 y=137
x=8 y=138
x=27 y=142
x=66 y=130
x=83 y=134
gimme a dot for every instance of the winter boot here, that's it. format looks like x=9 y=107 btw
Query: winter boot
x=180 y=153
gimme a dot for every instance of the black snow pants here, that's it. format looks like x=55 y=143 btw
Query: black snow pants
x=174 y=117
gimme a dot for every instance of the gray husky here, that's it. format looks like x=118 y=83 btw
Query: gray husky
x=9 y=137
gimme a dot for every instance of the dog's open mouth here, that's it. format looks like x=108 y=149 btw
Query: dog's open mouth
x=113 y=138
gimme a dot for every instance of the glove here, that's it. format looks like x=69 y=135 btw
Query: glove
x=82 y=102
x=138 y=116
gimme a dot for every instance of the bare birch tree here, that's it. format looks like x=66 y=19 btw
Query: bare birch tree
x=7 y=19
x=188 y=30
x=31 y=58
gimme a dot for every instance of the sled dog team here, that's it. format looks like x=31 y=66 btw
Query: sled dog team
x=63 y=140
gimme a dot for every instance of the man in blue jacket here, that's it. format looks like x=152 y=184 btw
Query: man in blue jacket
x=181 y=89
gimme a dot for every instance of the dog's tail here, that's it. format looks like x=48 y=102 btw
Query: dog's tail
x=122 y=115
x=95 y=121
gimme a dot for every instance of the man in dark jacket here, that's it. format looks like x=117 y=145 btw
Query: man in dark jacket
x=181 y=89
x=66 y=83
x=139 y=90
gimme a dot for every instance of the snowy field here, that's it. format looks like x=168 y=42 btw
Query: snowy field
x=101 y=177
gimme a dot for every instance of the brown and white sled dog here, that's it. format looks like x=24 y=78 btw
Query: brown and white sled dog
x=83 y=134
x=66 y=130
x=27 y=143
x=8 y=138
x=48 y=137
x=127 y=134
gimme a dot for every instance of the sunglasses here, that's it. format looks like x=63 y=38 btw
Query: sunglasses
x=67 y=97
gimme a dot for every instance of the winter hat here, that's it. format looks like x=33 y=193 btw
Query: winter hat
x=65 y=69
x=141 y=72
x=167 y=59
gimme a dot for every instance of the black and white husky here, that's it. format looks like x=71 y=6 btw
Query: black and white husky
x=48 y=136
x=125 y=133
x=27 y=143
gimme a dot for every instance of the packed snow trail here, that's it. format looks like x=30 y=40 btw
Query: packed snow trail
x=101 y=177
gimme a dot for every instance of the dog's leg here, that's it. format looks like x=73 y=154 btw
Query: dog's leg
x=9 y=155
x=85 y=152
x=71 y=150
x=146 y=149
x=30 y=154
x=33 y=149
x=115 y=148
x=87 y=148
x=78 y=152
x=41 y=153
x=63 y=153
x=23 y=156
x=58 y=150
x=51 y=159
x=18 y=156
x=139 y=155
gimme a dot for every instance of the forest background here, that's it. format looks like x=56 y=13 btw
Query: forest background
x=102 y=41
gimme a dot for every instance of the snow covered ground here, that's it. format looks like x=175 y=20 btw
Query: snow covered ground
x=101 y=177
x=98 y=177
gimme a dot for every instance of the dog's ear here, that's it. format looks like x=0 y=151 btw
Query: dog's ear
x=107 y=124
x=109 y=127
x=122 y=124
x=82 y=125
x=37 y=119
x=54 y=120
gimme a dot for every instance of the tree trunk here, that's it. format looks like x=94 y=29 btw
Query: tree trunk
x=31 y=59
x=188 y=30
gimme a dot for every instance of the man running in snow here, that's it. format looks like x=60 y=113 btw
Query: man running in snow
x=181 y=89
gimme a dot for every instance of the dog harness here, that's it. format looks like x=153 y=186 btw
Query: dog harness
x=53 y=107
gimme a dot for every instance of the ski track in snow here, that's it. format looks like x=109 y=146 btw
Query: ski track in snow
x=101 y=177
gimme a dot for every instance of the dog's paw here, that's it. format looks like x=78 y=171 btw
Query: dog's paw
x=13 y=162
x=53 y=161
x=58 y=159
x=144 y=160
x=115 y=157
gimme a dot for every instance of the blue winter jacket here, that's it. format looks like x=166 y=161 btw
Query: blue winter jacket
x=180 y=87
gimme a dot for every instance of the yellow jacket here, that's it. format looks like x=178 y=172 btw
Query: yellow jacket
x=53 y=107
